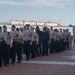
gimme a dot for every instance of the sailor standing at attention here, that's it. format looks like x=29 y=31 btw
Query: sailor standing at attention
x=27 y=37
x=14 y=44
x=1 y=40
x=35 y=41
x=7 y=43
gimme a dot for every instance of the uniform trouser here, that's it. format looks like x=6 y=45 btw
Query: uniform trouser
x=60 y=48
x=19 y=51
x=52 y=46
x=70 y=44
x=0 y=54
x=0 y=58
x=57 y=45
x=45 y=48
x=37 y=51
x=13 y=52
x=34 y=49
x=62 y=44
x=66 y=45
x=22 y=48
x=40 y=46
x=6 y=51
x=27 y=49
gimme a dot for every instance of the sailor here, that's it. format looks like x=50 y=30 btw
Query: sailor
x=70 y=41
x=7 y=43
x=35 y=41
x=39 y=32
x=27 y=37
x=67 y=39
x=1 y=53
x=52 y=40
x=45 y=40
x=63 y=39
x=14 y=44
x=57 y=43
x=19 y=45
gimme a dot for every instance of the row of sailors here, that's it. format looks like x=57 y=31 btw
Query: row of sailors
x=39 y=43
x=61 y=39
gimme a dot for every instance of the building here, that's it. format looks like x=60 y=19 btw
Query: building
x=41 y=24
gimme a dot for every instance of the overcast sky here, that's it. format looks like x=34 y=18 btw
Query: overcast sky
x=62 y=11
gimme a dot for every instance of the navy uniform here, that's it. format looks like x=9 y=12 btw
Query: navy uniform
x=19 y=45
x=1 y=53
x=65 y=39
x=6 y=45
x=15 y=35
x=62 y=41
x=35 y=41
x=70 y=41
x=74 y=40
x=39 y=32
x=52 y=41
x=67 y=35
x=57 y=42
x=45 y=40
x=21 y=31
x=27 y=37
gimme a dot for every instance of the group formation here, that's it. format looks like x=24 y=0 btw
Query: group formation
x=32 y=42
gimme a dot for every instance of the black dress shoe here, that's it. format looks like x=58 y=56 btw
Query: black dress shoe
x=6 y=65
x=0 y=66
x=19 y=61
x=12 y=63
x=47 y=54
x=27 y=59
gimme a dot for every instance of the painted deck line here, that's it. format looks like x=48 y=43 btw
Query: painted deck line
x=49 y=62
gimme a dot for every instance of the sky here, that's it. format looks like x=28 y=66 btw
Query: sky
x=61 y=11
